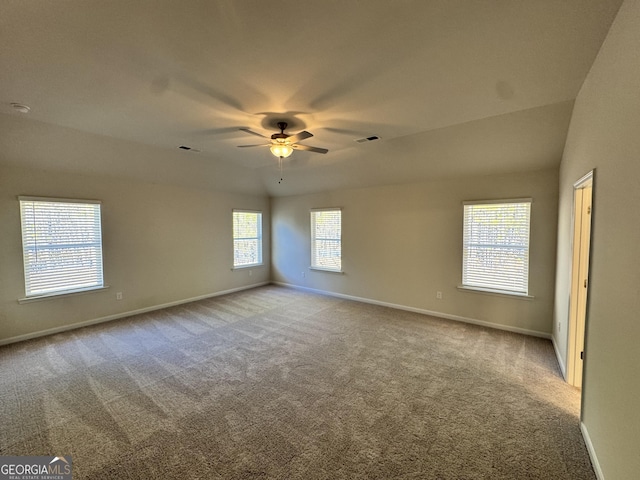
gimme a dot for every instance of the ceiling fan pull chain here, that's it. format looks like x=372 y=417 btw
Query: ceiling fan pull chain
x=280 y=167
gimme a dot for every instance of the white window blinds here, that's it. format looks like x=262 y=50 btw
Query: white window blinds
x=326 y=239
x=496 y=245
x=62 y=245
x=247 y=238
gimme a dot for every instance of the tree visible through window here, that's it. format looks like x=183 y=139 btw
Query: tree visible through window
x=496 y=245
x=247 y=238
x=62 y=245
x=326 y=239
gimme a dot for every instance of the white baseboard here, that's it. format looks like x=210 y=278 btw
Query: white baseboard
x=64 y=328
x=563 y=369
x=592 y=452
x=73 y=326
x=448 y=316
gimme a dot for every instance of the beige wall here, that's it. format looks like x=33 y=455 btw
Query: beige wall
x=401 y=244
x=604 y=135
x=161 y=244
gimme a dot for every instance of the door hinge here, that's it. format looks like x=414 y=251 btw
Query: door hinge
x=581 y=355
x=585 y=283
x=589 y=210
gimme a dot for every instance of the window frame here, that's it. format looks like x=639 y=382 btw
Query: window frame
x=314 y=239
x=496 y=289
x=31 y=294
x=259 y=238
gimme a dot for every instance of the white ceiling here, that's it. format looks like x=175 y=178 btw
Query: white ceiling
x=450 y=86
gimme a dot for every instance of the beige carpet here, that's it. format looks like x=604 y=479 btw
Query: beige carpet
x=276 y=383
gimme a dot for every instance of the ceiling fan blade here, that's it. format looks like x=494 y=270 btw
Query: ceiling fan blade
x=310 y=149
x=246 y=130
x=259 y=145
x=299 y=136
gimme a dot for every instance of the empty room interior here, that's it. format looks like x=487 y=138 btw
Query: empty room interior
x=321 y=239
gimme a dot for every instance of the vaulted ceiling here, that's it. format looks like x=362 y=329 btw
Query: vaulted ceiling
x=450 y=86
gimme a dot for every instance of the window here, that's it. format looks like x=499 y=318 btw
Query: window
x=247 y=238
x=326 y=239
x=496 y=246
x=62 y=245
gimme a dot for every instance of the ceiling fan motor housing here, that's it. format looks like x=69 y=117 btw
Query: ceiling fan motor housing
x=281 y=135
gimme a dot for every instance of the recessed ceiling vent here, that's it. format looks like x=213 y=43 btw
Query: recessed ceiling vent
x=368 y=139
x=185 y=147
x=19 y=107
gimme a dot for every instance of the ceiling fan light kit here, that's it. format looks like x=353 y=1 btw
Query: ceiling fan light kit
x=282 y=144
x=281 y=150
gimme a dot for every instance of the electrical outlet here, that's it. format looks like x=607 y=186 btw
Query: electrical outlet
x=119 y=296
x=559 y=327
x=304 y=274
x=250 y=272
x=439 y=295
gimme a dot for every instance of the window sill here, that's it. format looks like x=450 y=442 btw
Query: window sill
x=252 y=265
x=327 y=270
x=499 y=293
x=67 y=293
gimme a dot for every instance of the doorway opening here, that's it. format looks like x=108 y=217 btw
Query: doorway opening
x=582 y=207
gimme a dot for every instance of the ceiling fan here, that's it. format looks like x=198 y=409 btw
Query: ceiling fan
x=282 y=145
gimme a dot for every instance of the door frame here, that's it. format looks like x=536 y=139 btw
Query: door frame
x=576 y=326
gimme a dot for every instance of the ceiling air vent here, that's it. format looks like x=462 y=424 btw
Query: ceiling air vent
x=185 y=147
x=368 y=139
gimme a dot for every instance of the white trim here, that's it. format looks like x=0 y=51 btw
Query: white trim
x=249 y=265
x=563 y=369
x=27 y=198
x=245 y=210
x=60 y=294
x=259 y=237
x=587 y=176
x=592 y=452
x=315 y=240
x=491 y=291
x=499 y=231
x=448 y=316
x=506 y=200
x=64 y=328
x=327 y=209
x=47 y=276
x=586 y=180
x=329 y=270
